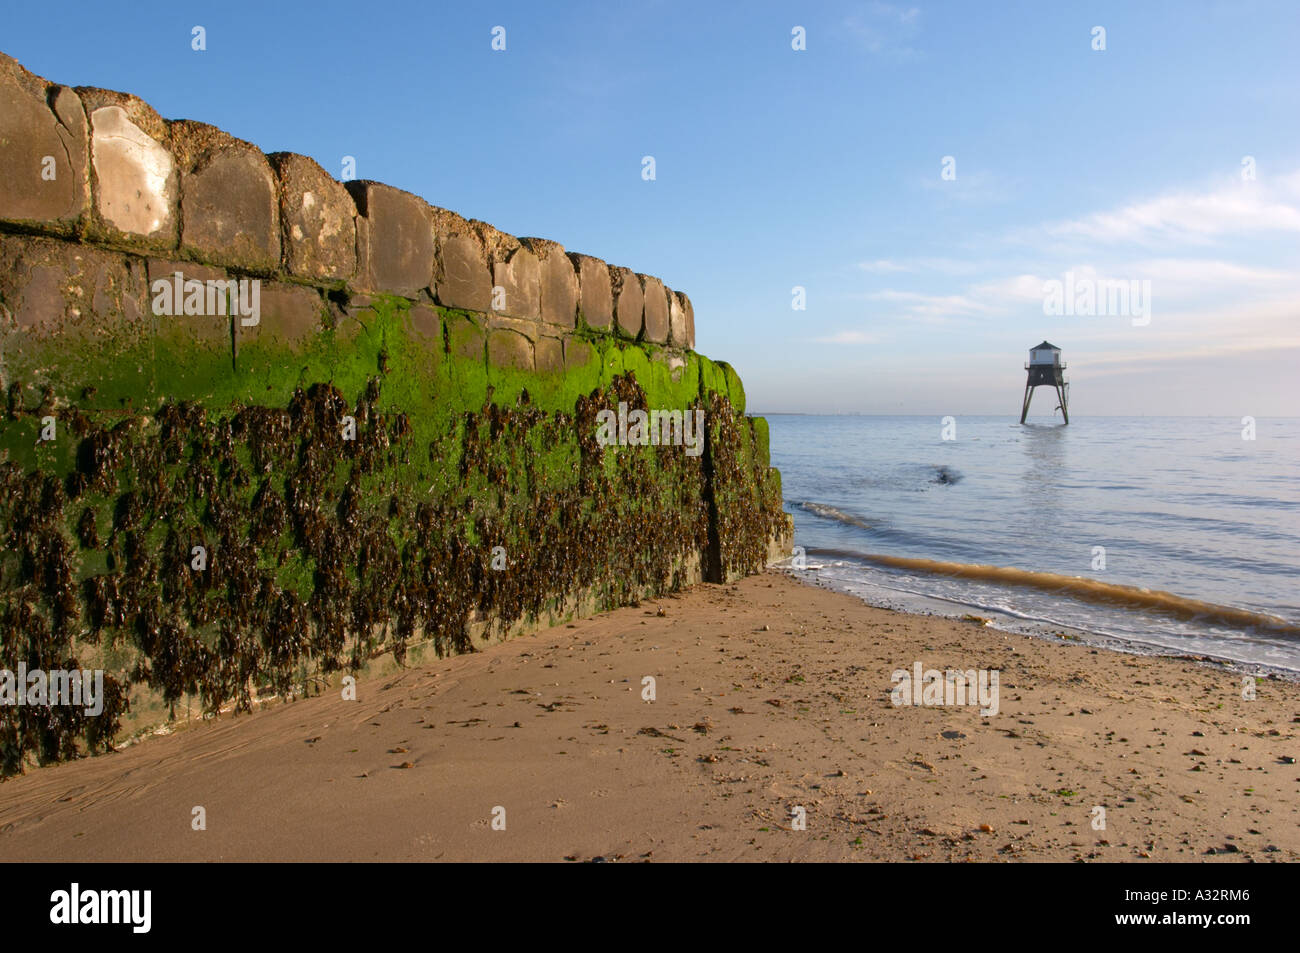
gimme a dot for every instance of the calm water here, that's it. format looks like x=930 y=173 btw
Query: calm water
x=1181 y=505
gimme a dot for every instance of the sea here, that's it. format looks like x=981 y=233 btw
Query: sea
x=1165 y=535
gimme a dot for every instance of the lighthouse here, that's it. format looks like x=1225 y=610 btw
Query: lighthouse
x=1045 y=367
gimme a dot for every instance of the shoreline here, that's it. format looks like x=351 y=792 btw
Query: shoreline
x=1036 y=627
x=1061 y=633
x=770 y=694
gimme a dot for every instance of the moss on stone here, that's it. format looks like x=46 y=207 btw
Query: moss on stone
x=324 y=552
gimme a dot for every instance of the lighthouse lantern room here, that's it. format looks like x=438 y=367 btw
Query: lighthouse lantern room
x=1045 y=367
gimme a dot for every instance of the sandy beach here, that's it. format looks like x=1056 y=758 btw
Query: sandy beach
x=769 y=695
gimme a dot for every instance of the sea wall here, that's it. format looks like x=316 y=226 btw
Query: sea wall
x=262 y=427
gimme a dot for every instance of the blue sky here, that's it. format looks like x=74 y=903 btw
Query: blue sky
x=818 y=168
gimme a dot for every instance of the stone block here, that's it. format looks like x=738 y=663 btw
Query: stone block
x=558 y=282
x=424 y=324
x=291 y=316
x=135 y=182
x=595 y=292
x=230 y=209
x=629 y=300
x=529 y=329
x=509 y=349
x=60 y=299
x=656 y=309
x=192 y=315
x=465 y=339
x=424 y=332
x=576 y=353
x=689 y=341
x=676 y=319
x=517 y=273
x=54 y=288
x=317 y=220
x=395 y=248
x=549 y=355
x=44 y=152
x=464 y=278
x=166 y=268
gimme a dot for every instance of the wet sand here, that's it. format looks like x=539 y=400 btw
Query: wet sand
x=769 y=695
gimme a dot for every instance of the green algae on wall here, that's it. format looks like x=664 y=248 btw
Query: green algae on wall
x=396 y=452
x=323 y=551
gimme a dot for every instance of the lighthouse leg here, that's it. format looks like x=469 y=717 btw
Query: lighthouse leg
x=1029 y=394
x=1065 y=410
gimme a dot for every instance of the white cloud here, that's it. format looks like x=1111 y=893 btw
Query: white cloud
x=1241 y=299
x=917 y=304
x=901 y=15
x=947 y=266
x=1204 y=273
x=1094 y=364
x=849 y=337
x=882 y=265
x=1008 y=292
x=1243 y=208
x=884 y=29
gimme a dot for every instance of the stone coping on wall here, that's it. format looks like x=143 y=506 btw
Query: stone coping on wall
x=100 y=167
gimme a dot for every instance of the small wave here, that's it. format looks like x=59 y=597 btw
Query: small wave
x=1092 y=590
x=832 y=513
x=883 y=533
